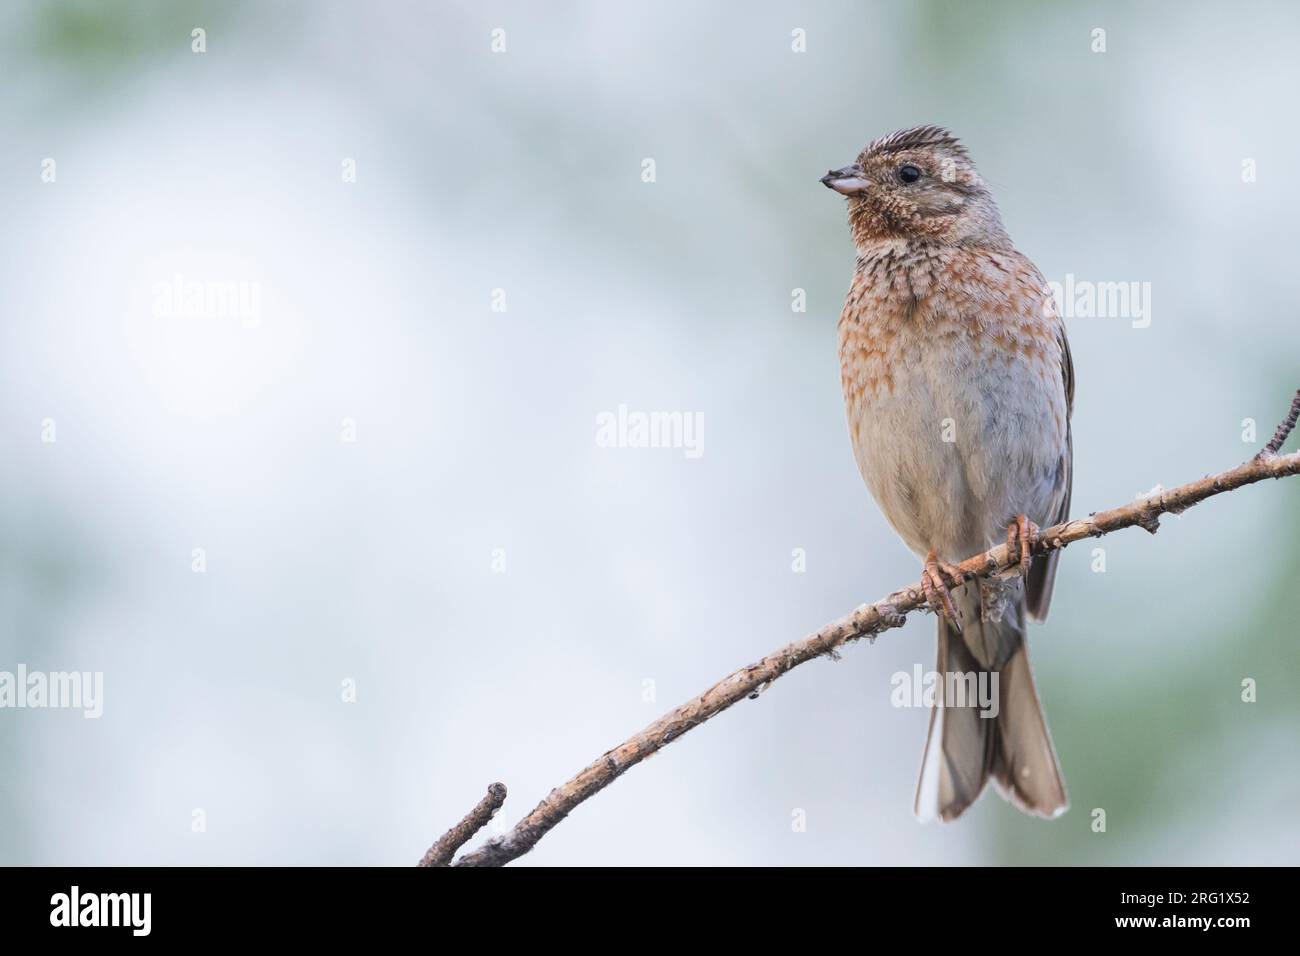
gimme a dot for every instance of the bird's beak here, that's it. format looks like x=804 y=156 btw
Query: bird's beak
x=847 y=181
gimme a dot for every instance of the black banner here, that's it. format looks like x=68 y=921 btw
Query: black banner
x=339 y=905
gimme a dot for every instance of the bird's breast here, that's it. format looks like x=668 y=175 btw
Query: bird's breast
x=955 y=405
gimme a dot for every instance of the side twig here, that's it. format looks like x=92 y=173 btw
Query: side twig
x=1279 y=437
x=440 y=853
x=866 y=621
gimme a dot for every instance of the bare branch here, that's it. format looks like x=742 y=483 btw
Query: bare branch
x=1283 y=430
x=867 y=621
x=440 y=853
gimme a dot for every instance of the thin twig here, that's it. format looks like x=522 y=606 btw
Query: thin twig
x=1283 y=430
x=867 y=621
x=440 y=853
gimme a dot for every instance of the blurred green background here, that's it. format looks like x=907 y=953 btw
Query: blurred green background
x=373 y=561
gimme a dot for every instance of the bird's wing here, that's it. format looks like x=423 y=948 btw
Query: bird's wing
x=1042 y=573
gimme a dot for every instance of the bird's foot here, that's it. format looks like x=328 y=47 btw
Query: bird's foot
x=937 y=578
x=1022 y=535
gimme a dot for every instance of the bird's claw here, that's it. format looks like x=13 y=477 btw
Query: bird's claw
x=937 y=579
x=1022 y=536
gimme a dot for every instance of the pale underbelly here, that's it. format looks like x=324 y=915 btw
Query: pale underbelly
x=951 y=459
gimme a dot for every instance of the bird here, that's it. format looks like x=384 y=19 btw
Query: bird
x=959 y=389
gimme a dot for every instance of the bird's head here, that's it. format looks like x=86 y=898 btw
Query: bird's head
x=918 y=184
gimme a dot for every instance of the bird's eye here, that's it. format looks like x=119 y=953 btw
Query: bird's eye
x=908 y=173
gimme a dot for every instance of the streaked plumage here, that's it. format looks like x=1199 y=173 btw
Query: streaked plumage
x=958 y=385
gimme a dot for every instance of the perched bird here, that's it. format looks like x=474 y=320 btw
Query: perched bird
x=959 y=387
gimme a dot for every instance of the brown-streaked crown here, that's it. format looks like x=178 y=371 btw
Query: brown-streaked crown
x=918 y=184
x=918 y=137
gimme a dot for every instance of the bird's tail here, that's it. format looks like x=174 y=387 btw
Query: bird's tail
x=984 y=670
